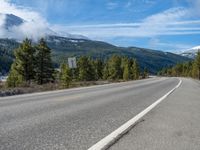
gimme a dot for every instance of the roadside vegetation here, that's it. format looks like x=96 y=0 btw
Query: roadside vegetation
x=33 y=70
x=188 y=69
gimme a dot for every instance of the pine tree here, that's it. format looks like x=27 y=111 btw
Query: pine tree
x=44 y=68
x=14 y=78
x=98 y=69
x=197 y=62
x=124 y=62
x=86 y=70
x=114 y=68
x=24 y=62
x=194 y=70
x=125 y=66
x=126 y=72
x=145 y=73
x=105 y=72
x=65 y=76
x=135 y=70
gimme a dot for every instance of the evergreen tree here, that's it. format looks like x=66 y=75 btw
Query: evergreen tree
x=197 y=64
x=105 y=72
x=86 y=70
x=98 y=69
x=135 y=70
x=124 y=62
x=126 y=72
x=14 y=78
x=194 y=70
x=24 y=62
x=44 y=68
x=114 y=68
x=65 y=75
x=145 y=73
x=125 y=66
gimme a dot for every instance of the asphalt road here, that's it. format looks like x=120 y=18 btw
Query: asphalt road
x=173 y=125
x=78 y=118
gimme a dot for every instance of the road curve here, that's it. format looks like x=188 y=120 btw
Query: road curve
x=75 y=118
x=173 y=125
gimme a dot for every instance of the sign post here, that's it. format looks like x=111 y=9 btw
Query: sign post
x=72 y=64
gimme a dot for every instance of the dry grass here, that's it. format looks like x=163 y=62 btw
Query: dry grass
x=33 y=88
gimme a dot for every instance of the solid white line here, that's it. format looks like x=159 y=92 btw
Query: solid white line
x=118 y=133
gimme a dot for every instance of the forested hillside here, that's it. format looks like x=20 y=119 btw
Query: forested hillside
x=62 y=48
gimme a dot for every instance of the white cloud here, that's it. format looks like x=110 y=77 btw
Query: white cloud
x=154 y=43
x=35 y=26
x=169 y=22
x=173 y=21
x=28 y=14
x=2 y=19
x=158 y=23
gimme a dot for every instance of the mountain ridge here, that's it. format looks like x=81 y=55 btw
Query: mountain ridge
x=62 y=48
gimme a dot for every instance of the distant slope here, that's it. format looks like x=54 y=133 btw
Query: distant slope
x=191 y=53
x=151 y=59
x=65 y=47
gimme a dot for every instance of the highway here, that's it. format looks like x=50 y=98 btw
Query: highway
x=76 y=119
x=172 y=125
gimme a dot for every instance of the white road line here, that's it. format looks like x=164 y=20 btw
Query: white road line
x=118 y=133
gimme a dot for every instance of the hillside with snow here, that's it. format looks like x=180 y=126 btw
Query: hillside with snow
x=191 y=53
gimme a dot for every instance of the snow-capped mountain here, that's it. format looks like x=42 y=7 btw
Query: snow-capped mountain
x=11 y=20
x=72 y=36
x=191 y=53
x=12 y=26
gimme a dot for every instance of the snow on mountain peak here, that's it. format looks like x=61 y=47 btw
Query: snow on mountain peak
x=191 y=53
x=196 y=48
x=12 y=26
x=12 y=20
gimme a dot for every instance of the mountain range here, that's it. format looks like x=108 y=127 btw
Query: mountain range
x=78 y=45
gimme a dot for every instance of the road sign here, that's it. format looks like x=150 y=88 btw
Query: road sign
x=72 y=62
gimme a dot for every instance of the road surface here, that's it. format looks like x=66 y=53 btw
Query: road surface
x=78 y=118
x=172 y=125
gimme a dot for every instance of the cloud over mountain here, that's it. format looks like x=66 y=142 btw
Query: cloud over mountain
x=33 y=26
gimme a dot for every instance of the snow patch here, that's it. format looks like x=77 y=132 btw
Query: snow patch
x=191 y=53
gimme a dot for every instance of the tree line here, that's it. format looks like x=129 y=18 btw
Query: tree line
x=187 y=69
x=33 y=64
x=115 y=68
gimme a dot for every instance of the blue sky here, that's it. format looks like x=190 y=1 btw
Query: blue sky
x=169 y=25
